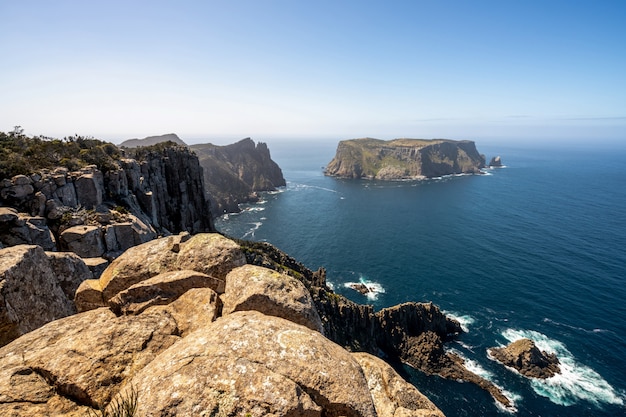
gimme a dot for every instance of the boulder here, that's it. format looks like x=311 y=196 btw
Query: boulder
x=70 y=271
x=247 y=363
x=161 y=289
x=85 y=241
x=96 y=265
x=392 y=395
x=525 y=357
x=256 y=288
x=30 y=294
x=139 y=263
x=77 y=362
x=210 y=253
x=193 y=310
x=89 y=296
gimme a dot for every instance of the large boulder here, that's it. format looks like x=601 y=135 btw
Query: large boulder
x=79 y=361
x=30 y=292
x=84 y=240
x=392 y=395
x=525 y=357
x=209 y=253
x=161 y=289
x=247 y=363
x=256 y=288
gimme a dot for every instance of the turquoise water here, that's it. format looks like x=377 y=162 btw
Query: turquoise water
x=535 y=249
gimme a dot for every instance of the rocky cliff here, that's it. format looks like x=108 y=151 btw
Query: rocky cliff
x=100 y=213
x=186 y=326
x=404 y=159
x=233 y=174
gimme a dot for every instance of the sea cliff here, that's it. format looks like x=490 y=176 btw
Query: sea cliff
x=404 y=159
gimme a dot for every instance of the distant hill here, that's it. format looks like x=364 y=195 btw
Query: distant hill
x=153 y=140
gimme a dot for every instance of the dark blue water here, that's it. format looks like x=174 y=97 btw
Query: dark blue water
x=536 y=249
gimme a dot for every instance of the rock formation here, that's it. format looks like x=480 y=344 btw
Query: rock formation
x=36 y=287
x=180 y=342
x=233 y=174
x=101 y=214
x=404 y=159
x=525 y=357
x=495 y=162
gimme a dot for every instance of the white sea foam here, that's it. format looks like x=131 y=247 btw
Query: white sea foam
x=477 y=369
x=464 y=319
x=374 y=287
x=250 y=233
x=576 y=381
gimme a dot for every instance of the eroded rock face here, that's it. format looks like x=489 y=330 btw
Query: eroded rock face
x=31 y=292
x=392 y=395
x=247 y=362
x=524 y=356
x=495 y=162
x=252 y=287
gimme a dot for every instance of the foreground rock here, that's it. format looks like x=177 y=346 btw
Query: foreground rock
x=167 y=341
x=35 y=288
x=525 y=357
x=404 y=159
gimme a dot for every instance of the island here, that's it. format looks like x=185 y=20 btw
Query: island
x=399 y=159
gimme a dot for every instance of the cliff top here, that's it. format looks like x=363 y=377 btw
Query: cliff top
x=153 y=140
x=406 y=142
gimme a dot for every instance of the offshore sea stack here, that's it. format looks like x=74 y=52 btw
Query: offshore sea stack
x=404 y=159
x=526 y=358
x=186 y=325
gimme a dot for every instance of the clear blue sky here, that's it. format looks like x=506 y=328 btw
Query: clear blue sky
x=223 y=70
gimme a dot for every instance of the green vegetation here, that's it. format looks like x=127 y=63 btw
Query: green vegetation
x=124 y=406
x=20 y=154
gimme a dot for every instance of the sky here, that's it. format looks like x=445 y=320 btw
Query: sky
x=218 y=71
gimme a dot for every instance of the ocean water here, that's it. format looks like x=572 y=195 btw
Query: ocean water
x=535 y=249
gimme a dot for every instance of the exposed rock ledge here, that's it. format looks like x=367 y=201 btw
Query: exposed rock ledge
x=525 y=357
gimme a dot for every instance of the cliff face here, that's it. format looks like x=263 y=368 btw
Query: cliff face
x=234 y=173
x=404 y=159
x=95 y=213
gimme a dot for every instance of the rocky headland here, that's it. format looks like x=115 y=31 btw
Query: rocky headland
x=236 y=173
x=526 y=358
x=233 y=174
x=404 y=159
x=190 y=322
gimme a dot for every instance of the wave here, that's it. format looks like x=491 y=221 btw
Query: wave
x=576 y=381
x=464 y=319
x=298 y=187
x=476 y=368
x=580 y=329
x=373 y=288
x=250 y=233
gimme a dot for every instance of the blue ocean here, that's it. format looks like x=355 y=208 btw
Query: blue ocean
x=535 y=249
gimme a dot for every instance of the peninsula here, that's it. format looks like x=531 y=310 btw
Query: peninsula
x=404 y=159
